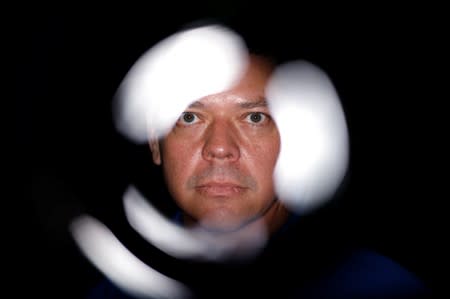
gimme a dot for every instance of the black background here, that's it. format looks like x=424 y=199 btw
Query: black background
x=384 y=65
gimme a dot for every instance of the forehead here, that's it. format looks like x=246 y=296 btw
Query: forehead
x=256 y=75
x=248 y=90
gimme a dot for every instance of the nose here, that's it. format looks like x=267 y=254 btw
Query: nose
x=221 y=143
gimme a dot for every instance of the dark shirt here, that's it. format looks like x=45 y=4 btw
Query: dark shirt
x=312 y=268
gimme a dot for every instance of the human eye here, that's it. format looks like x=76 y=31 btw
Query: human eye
x=188 y=118
x=256 y=117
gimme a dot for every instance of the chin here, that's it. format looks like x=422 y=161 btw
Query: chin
x=221 y=224
x=235 y=237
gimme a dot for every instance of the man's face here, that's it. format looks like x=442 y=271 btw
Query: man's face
x=219 y=158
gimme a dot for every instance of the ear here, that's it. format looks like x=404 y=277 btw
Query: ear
x=156 y=153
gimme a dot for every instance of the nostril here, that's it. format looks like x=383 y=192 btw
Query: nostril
x=221 y=144
x=219 y=151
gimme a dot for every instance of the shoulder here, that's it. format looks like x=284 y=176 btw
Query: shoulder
x=105 y=289
x=364 y=273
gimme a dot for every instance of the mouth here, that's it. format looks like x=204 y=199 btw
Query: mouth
x=220 y=189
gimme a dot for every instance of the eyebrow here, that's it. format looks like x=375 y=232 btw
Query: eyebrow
x=196 y=104
x=251 y=104
x=245 y=104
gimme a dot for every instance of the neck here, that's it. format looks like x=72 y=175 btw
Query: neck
x=250 y=236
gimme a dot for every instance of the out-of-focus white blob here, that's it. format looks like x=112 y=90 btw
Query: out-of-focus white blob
x=103 y=249
x=145 y=219
x=191 y=243
x=174 y=73
x=314 y=139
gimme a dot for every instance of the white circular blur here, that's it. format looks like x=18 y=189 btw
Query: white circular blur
x=192 y=243
x=175 y=72
x=114 y=260
x=314 y=139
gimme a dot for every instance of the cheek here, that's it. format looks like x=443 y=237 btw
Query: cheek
x=265 y=156
x=178 y=160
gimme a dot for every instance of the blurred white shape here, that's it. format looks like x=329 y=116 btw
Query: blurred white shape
x=145 y=219
x=174 y=73
x=314 y=139
x=193 y=243
x=103 y=249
